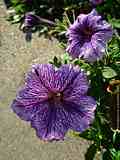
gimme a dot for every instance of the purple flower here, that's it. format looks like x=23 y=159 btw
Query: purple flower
x=31 y=20
x=87 y=37
x=96 y=2
x=55 y=100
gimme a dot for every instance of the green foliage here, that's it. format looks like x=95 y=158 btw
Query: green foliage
x=108 y=72
x=19 y=6
x=90 y=154
x=106 y=156
x=114 y=49
x=111 y=154
x=110 y=7
x=115 y=22
x=56 y=62
x=115 y=154
x=61 y=27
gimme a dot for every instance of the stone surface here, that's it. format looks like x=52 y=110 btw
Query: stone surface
x=17 y=139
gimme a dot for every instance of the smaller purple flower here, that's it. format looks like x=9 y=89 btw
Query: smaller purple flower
x=31 y=20
x=87 y=37
x=96 y=2
x=55 y=100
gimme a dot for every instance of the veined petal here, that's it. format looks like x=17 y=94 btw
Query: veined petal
x=64 y=76
x=74 y=49
x=54 y=100
x=88 y=52
x=29 y=96
x=46 y=75
x=102 y=35
x=78 y=87
x=50 y=124
x=34 y=89
x=83 y=32
x=79 y=119
x=24 y=112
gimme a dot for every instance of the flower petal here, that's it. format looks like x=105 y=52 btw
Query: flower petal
x=83 y=32
x=78 y=87
x=50 y=123
x=87 y=103
x=24 y=112
x=79 y=117
x=54 y=101
x=31 y=20
x=74 y=48
x=102 y=36
x=91 y=54
x=64 y=76
x=34 y=89
x=46 y=75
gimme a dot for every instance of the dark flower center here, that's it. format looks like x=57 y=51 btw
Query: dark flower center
x=56 y=97
x=87 y=33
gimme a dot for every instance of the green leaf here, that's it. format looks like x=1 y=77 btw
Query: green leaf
x=108 y=72
x=56 y=62
x=89 y=134
x=115 y=23
x=16 y=18
x=90 y=154
x=106 y=156
x=20 y=8
x=66 y=58
x=115 y=154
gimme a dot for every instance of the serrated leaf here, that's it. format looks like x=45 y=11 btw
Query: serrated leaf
x=108 y=72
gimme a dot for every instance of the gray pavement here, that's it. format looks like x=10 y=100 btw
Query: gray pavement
x=17 y=139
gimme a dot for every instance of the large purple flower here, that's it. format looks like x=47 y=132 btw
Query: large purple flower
x=87 y=37
x=55 y=100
